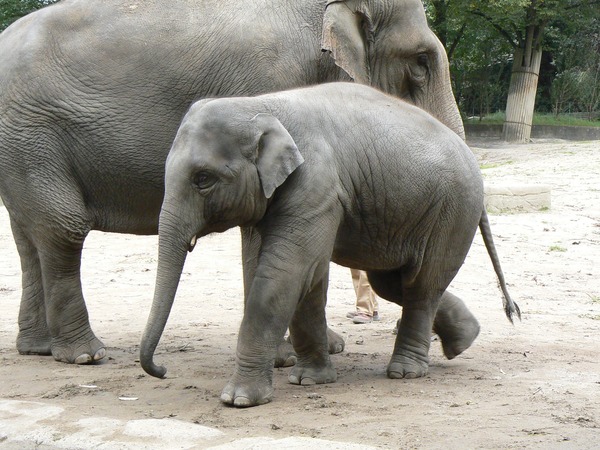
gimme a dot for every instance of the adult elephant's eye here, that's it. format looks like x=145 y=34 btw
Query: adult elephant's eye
x=203 y=180
x=423 y=60
x=419 y=72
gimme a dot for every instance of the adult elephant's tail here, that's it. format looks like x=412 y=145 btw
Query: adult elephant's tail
x=510 y=307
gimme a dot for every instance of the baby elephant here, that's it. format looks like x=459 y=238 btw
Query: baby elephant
x=338 y=172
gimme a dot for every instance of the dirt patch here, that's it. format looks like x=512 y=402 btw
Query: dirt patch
x=532 y=385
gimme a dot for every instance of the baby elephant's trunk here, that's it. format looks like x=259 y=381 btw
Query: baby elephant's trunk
x=171 y=258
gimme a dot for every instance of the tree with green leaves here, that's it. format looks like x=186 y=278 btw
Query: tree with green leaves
x=577 y=62
x=11 y=10
x=523 y=25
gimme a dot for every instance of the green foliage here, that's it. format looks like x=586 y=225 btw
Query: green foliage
x=480 y=37
x=494 y=165
x=564 y=120
x=564 y=89
x=497 y=118
x=11 y=10
x=557 y=248
x=577 y=61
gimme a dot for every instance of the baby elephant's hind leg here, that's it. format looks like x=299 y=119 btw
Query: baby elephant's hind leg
x=456 y=326
x=411 y=351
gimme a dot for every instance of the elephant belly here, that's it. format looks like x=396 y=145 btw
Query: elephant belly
x=361 y=254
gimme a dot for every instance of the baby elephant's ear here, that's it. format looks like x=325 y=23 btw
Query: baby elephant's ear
x=277 y=155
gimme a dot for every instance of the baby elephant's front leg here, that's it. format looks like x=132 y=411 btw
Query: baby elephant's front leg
x=269 y=308
x=252 y=382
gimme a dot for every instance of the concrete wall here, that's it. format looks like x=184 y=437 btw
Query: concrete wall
x=517 y=198
x=537 y=132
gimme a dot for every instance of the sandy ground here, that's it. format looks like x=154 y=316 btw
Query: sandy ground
x=532 y=385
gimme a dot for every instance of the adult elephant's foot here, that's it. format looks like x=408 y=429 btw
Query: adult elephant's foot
x=309 y=375
x=83 y=351
x=335 y=342
x=31 y=342
x=405 y=367
x=456 y=326
x=34 y=336
x=36 y=348
x=286 y=356
x=245 y=393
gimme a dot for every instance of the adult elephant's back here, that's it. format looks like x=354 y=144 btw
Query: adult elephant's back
x=96 y=91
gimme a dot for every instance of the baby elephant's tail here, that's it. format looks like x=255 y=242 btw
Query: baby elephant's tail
x=510 y=307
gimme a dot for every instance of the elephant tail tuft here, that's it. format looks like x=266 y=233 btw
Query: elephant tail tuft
x=510 y=307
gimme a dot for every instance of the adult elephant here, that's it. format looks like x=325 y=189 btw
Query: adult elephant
x=92 y=93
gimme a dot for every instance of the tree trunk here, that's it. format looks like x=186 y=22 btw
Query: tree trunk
x=521 y=94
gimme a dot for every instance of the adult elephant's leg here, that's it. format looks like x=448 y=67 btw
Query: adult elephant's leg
x=335 y=342
x=251 y=243
x=34 y=336
x=456 y=326
x=309 y=334
x=72 y=339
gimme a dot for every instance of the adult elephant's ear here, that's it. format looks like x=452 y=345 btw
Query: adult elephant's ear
x=344 y=37
x=277 y=156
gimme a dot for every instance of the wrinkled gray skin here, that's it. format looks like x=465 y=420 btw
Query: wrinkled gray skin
x=92 y=93
x=337 y=172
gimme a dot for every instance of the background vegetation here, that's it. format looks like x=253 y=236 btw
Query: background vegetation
x=481 y=37
x=11 y=10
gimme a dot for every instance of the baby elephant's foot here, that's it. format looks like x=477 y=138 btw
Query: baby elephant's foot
x=456 y=326
x=286 y=356
x=404 y=367
x=245 y=394
x=457 y=341
x=90 y=351
x=335 y=342
x=309 y=375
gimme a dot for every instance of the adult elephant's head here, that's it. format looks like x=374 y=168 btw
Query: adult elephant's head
x=388 y=44
x=223 y=167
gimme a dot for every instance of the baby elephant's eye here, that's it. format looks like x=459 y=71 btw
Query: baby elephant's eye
x=203 y=180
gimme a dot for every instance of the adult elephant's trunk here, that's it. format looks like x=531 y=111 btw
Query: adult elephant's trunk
x=443 y=106
x=172 y=252
x=439 y=99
